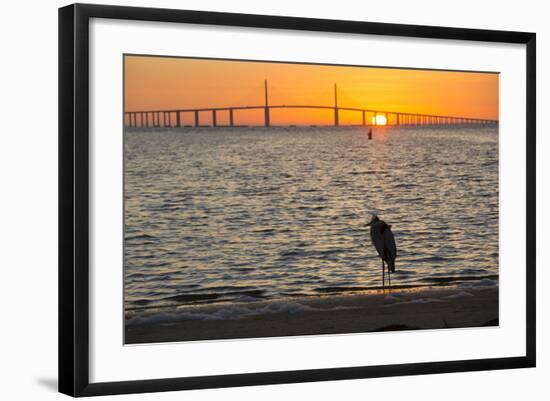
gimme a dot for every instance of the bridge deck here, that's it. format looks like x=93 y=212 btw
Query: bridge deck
x=152 y=118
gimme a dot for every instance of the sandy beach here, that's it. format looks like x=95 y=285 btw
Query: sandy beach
x=396 y=309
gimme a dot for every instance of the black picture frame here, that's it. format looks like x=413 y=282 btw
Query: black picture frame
x=74 y=198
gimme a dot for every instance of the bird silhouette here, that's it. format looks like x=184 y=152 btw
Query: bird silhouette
x=384 y=242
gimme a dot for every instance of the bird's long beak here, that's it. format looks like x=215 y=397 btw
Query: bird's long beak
x=368 y=224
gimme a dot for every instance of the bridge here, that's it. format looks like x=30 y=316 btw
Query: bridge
x=172 y=118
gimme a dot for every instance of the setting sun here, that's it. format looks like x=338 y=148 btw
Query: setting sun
x=380 y=119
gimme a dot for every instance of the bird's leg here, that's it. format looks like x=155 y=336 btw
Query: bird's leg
x=383 y=276
x=389 y=276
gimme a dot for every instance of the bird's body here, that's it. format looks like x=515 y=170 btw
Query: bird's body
x=384 y=242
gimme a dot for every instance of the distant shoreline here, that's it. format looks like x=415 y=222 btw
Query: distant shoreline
x=397 y=309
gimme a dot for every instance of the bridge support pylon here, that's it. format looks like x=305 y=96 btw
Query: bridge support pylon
x=336 y=114
x=267 y=122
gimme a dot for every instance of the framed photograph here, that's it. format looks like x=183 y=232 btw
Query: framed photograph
x=249 y=199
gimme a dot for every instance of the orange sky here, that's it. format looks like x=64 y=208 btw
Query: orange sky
x=171 y=83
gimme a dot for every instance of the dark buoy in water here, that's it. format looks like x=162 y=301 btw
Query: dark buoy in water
x=370 y=133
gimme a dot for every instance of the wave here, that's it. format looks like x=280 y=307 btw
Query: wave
x=263 y=230
x=487 y=280
x=229 y=312
x=338 y=289
x=432 y=259
x=415 y=301
x=199 y=297
x=456 y=279
x=368 y=172
x=140 y=237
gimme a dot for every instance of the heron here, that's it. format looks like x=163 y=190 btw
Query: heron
x=384 y=242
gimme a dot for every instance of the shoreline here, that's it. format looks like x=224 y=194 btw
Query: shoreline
x=205 y=299
x=395 y=309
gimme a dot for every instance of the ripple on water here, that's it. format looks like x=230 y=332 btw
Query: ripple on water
x=216 y=215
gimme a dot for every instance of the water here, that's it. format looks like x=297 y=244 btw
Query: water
x=251 y=214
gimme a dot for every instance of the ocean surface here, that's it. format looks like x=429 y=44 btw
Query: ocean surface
x=247 y=214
